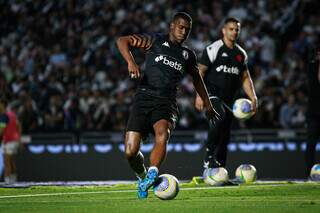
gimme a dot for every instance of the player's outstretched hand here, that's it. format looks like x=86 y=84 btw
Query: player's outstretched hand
x=134 y=71
x=213 y=116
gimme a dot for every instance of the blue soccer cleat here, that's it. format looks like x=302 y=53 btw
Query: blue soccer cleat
x=150 y=180
x=141 y=193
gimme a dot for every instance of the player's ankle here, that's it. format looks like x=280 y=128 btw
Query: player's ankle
x=153 y=168
x=141 y=175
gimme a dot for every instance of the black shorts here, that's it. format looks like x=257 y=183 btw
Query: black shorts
x=147 y=110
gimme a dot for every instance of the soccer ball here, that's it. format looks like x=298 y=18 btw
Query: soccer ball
x=167 y=187
x=215 y=176
x=246 y=173
x=242 y=109
x=315 y=173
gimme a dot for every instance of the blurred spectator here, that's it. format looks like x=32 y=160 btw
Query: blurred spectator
x=53 y=115
x=66 y=49
x=287 y=112
x=28 y=115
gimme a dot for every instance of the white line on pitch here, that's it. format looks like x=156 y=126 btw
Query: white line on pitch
x=124 y=191
x=65 y=193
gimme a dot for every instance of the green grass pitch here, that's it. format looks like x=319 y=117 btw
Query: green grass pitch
x=258 y=197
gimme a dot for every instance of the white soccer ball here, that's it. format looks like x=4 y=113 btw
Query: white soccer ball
x=167 y=187
x=242 y=109
x=246 y=173
x=315 y=172
x=215 y=176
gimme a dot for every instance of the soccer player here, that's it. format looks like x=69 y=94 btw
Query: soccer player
x=223 y=66
x=155 y=109
x=10 y=131
x=313 y=113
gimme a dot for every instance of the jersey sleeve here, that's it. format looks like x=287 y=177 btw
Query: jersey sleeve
x=205 y=58
x=192 y=61
x=245 y=61
x=143 y=41
x=4 y=120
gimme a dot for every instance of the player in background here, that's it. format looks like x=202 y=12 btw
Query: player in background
x=313 y=109
x=154 y=109
x=223 y=66
x=10 y=132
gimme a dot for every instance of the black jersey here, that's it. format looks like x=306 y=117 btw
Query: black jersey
x=165 y=65
x=225 y=69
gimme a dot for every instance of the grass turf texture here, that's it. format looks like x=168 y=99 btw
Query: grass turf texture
x=258 y=197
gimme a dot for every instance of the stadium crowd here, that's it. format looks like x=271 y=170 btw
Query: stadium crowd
x=62 y=72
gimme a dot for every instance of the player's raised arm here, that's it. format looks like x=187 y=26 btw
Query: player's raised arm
x=138 y=41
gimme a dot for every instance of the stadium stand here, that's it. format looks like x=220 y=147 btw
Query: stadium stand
x=60 y=67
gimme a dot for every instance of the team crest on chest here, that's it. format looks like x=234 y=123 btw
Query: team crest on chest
x=239 y=58
x=185 y=54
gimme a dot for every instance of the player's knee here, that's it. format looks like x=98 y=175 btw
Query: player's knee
x=130 y=152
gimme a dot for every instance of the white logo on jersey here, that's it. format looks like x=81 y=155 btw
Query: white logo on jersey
x=224 y=55
x=166 y=44
x=169 y=63
x=224 y=68
x=185 y=54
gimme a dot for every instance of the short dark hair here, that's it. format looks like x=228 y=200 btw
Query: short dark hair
x=182 y=15
x=231 y=19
